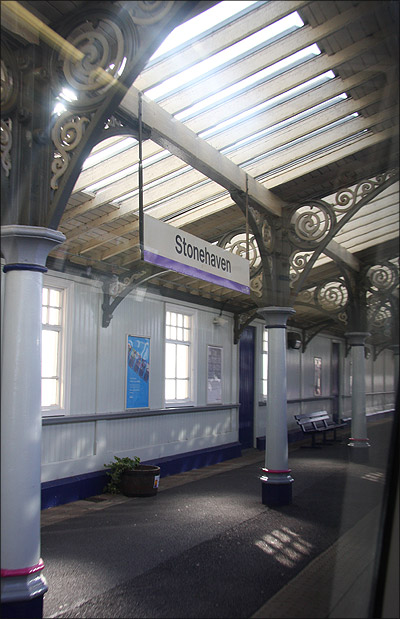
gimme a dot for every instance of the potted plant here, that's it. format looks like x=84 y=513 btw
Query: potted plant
x=129 y=476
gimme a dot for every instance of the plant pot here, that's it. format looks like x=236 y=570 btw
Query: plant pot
x=142 y=481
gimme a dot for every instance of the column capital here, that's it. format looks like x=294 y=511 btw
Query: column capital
x=276 y=317
x=356 y=338
x=28 y=246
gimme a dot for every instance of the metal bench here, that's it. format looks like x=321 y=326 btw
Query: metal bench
x=318 y=422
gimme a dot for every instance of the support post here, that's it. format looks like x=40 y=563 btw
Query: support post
x=276 y=479
x=25 y=249
x=358 y=437
x=395 y=348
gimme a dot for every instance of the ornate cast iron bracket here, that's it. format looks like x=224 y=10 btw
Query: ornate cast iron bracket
x=115 y=291
x=313 y=225
x=87 y=62
x=241 y=321
x=311 y=332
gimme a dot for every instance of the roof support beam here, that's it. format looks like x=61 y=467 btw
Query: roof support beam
x=335 y=251
x=181 y=141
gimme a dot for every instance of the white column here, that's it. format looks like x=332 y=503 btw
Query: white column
x=276 y=480
x=395 y=348
x=358 y=401
x=25 y=249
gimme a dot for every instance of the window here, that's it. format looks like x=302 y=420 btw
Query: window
x=178 y=357
x=52 y=305
x=265 y=363
x=54 y=347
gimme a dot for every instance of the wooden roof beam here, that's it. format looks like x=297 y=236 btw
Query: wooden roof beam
x=185 y=144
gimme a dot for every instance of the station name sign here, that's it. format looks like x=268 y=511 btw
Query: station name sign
x=174 y=249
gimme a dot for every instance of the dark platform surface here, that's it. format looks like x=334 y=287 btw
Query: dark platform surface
x=206 y=547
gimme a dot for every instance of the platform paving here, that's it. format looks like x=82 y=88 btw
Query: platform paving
x=206 y=547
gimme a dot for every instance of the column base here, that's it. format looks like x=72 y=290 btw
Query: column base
x=22 y=594
x=276 y=488
x=23 y=609
x=359 y=443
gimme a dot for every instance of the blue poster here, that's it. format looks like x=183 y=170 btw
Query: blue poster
x=138 y=372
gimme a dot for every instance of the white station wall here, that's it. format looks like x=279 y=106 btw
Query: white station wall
x=96 y=383
x=380 y=387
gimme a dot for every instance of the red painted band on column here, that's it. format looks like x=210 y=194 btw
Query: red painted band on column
x=24 y=571
x=273 y=471
x=360 y=440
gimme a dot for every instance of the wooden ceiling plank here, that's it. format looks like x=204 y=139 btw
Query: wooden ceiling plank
x=369 y=213
x=106 y=143
x=114 y=164
x=202 y=212
x=382 y=234
x=303 y=128
x=312 y=146
x=115 y=234
x=119 y=249
x=282 y=112
x=129 y=184
x=389 y=222
x=282 y=177
x=129 y=206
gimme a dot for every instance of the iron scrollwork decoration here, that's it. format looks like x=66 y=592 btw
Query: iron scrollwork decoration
x=313 y=225
x=347 y=199
x=6 y=144
x=237 y=243
x=381 y=283
x=330 y=298
x=8 y=102
x=145 y=13
x=98 y=51
x=308 y=225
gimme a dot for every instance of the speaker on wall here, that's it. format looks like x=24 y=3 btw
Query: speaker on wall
x=294 y=340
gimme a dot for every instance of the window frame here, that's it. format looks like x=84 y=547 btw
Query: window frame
x=192 y=346
x=264 y=364
x=64 y=352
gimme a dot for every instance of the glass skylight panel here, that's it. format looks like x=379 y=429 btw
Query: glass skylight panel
x=126 y=171
x=199 y=24
x=312 y=134
x=251 y=80
x=158 y=181
x=112 y=179
x=225 y=56
x=285 y=123
x=105 y=154
x=257 y=109
x=314 y=155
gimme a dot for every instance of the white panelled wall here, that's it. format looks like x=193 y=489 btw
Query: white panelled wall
x=380 y=388
x=97 y=385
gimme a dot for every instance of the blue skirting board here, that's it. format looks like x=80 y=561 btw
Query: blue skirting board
x=80 y=487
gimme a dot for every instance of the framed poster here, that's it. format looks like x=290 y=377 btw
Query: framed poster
x=137 y=371
x=214 y=374
x=317 y=375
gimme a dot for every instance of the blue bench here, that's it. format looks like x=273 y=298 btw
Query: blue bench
x=317 y=423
